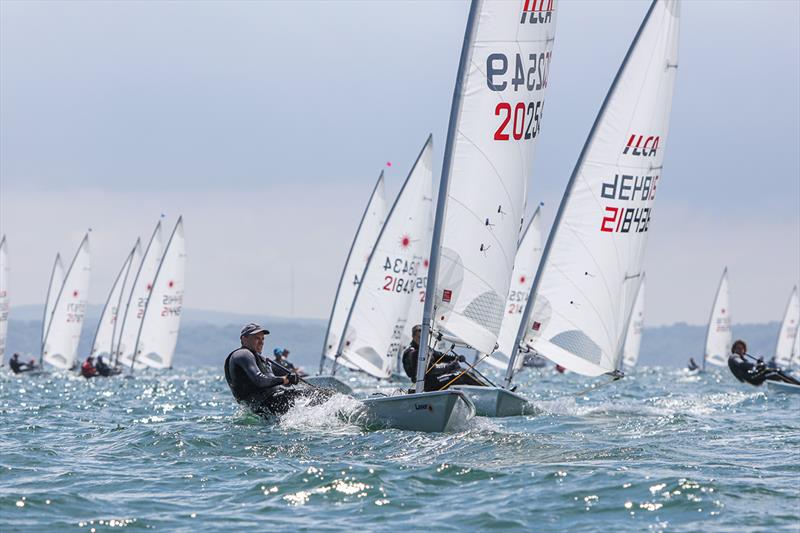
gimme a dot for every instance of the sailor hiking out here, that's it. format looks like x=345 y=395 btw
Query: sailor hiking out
x=754 y=373
x=252 y=380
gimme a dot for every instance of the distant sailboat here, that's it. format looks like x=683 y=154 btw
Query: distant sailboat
x=633 y=336
x=586 y=284
x=377 y=318
x=786 y=347
x=494 y=122
x=160 y=324
x=525 y=263
x=110 y=319
x=369 y=228
x=137 y=299
x=65 y=311
x=4 y=302
x=718 y=334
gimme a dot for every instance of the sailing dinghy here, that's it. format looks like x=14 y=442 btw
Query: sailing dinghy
x=494 y=122
x=161 y=320
x=137 y=299
x=353 y=272
x=787 y=351
x=3 y=297
x=108 y=327
x=718 y=334
x=585 y=288
x=633 y=336
x=65 y=309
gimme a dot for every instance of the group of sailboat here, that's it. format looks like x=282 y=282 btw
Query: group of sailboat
x=578 y=301
x=139 y=323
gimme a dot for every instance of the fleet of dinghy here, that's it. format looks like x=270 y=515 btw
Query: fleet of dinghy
x=591 y=267
x=718 y=334
x=67 y=297
x=4 y=303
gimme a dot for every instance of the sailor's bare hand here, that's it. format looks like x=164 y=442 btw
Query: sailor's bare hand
x=285 y=380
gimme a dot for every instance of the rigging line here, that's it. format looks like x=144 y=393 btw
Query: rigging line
x=463 y=372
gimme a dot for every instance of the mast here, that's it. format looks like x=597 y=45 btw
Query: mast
x=441 y=202
x=136 y=246
x=428 y=142
x=155 y=279
x=523 y=325
x=344 y=268
x=711 y=316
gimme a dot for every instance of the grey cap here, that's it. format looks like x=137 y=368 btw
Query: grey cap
x=253 y=328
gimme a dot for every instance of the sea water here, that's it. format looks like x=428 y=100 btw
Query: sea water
x=657 y=450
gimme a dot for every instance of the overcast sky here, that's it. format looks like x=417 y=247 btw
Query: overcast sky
x=265 y=124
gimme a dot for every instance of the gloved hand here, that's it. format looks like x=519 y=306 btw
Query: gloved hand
x=462 y=359
x=293 y=379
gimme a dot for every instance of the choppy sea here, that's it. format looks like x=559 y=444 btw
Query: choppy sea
x=657 y=450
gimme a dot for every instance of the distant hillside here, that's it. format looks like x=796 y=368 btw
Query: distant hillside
x=208 y=336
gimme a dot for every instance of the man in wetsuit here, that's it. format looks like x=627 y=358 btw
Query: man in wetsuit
x=442 y=367
x=753 y=373
x=18 y=367
x=692 y=364
x=102 y=368
x=252 y=380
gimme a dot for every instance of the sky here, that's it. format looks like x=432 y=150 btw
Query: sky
x=266 y=124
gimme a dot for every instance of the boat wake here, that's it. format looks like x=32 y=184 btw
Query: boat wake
x=339 y=413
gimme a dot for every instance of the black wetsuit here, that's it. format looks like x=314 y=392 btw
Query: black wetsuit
x=252 y=382
x=287 y=369
x=442 y=368
x=747 y=372
x=692 y=365
x=17 y=367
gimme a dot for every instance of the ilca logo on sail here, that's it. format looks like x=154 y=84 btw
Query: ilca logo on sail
x=537 y=12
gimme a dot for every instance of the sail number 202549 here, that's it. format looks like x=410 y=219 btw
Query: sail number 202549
x=519 y=120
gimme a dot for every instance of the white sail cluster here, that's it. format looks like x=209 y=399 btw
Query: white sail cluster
x=379 y=311
x=592 y=264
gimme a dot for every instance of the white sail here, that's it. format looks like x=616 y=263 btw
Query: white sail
x=418 y=300
x=380 y=307
x=794 y=361
x=525 y=265
x=60 y=343
x=53 y=289
x=368 y=230
x=718 y=335
x=4 y=303
x=138 y=297
x=592 y=263
x=110 y=319
x=158 y=331
x=494 y=125
x=788 y=332
x=633 y=337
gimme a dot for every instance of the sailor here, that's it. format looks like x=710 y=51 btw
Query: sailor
x=282 y=366
x=692 y=364
x=252 y=380
x=88 y=369
x=102 y=368
x=18 y=366
x=443 y=370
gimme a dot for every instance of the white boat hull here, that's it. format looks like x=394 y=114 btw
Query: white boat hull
x=495 y=401
x=330 y=382
x=431 y=412
x=786 y=388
